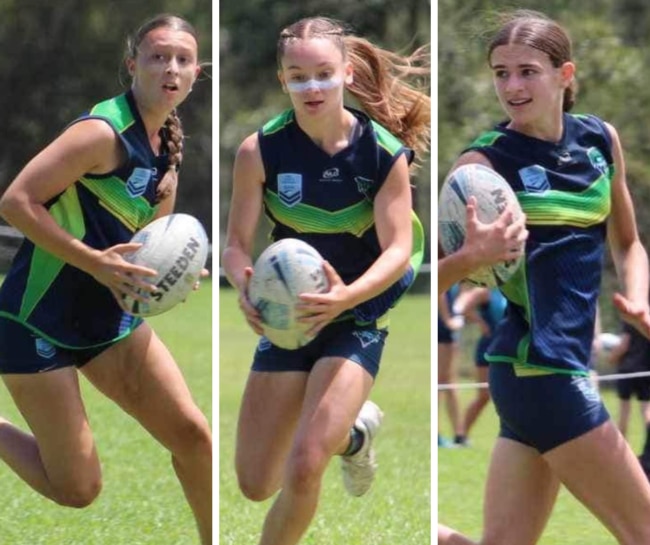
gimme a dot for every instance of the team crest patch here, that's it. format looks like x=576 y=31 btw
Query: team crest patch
x=290 y=188
x=364 y=185
x=597 y=160
x=366 y=338
x=45 y=349
x=535 y=179
x=137 y=183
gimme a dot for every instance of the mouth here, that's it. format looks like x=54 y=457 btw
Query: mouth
x=170 y=87
x=519 y=102
x=313 y=103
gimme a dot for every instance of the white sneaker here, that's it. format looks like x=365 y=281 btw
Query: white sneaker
x=359 y=468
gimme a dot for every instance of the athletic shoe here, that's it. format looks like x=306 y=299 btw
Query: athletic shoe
x=443 y=442
x=359 y=468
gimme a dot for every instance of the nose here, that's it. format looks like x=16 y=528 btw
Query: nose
x=513 y=83
x=172 y=67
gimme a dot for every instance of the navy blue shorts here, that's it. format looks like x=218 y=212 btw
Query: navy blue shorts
x=446 y=335
x=638 y=387
x=360 y=344
x=23 y=351
x=544 y=411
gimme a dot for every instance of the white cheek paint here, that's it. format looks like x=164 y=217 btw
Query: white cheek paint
x=313 y=85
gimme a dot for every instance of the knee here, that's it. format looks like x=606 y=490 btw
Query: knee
x=79 y=494
x=192 y=438
x=255 y=489
x=305 y=469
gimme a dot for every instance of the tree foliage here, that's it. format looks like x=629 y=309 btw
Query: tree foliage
x=60 y=58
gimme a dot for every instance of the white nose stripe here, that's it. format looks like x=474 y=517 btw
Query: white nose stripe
x=313 y=85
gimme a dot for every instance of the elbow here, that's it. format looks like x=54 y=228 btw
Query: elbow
x=8 y=206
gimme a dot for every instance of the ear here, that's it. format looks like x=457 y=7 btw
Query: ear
x=282 y=82
x=349 y=73
x=567 y=71
x=130 y=66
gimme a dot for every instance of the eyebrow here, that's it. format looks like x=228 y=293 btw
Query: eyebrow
x=321 y=65
x=523 y=65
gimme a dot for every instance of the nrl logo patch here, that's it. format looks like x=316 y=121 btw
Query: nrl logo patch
x=137 y=183
x=364 y=185
x=45 y=349
x=290 y=188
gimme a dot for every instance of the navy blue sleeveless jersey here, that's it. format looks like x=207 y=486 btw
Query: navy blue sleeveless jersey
x=564 y=190
x=327 y=200
x=58 y=301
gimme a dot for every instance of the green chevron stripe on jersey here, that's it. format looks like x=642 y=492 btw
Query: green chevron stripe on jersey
x=45 y=267
x=117 y=110
x=583 y=209
x=386 y=140
x=112 y=193
x=303 y=218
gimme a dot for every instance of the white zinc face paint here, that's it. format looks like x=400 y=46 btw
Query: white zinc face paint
x=314 y=85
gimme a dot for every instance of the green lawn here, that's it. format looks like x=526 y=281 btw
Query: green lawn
x=142 y=502
x=462 y=474
x=397 y=510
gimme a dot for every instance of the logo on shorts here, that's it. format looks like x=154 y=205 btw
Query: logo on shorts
x=137 y=183
x=290 y=188
x=366 y=338
x=45 y=349
x=264 y=344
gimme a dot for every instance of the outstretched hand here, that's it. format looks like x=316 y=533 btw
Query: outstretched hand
x=251 y=314
x=634 y=313
x=319 y=309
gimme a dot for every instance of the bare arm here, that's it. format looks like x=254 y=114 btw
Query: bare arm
x=89 y=146
x=629 y=255
x=244 y=213
x=392 y=214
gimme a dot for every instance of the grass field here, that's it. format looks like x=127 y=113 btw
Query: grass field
x=142 y=502
x=397 y=509
x=462 y=474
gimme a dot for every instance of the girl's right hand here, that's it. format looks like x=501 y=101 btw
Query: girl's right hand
x=121 y=277
x=501 y=240
x=251 y=314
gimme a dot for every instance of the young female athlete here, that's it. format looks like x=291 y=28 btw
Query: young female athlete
x=338 y=179
x=78 y=202
x=569 y=176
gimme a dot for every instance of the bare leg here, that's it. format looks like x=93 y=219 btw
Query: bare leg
x=481 y=400
x=601 y=471
x=336 y=390
x=60 y=460
x=447 y=353
x=140 y=375
x=447 y=536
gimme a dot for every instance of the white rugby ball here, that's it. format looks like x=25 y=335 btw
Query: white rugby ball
x=493 y=194
x=281 y=273
x=176 y=246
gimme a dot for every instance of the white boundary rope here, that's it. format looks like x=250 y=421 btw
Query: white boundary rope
x=598 y=378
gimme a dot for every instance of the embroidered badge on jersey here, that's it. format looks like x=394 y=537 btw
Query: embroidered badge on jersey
x=597 y=159
x=290 y=188
x=364 y=185
x=137 y=183
x=366 y=338
x=534 y=179
x=45 y=349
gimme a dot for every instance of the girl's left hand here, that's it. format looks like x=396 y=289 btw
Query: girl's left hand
x=634 y=313
x=319 y=309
